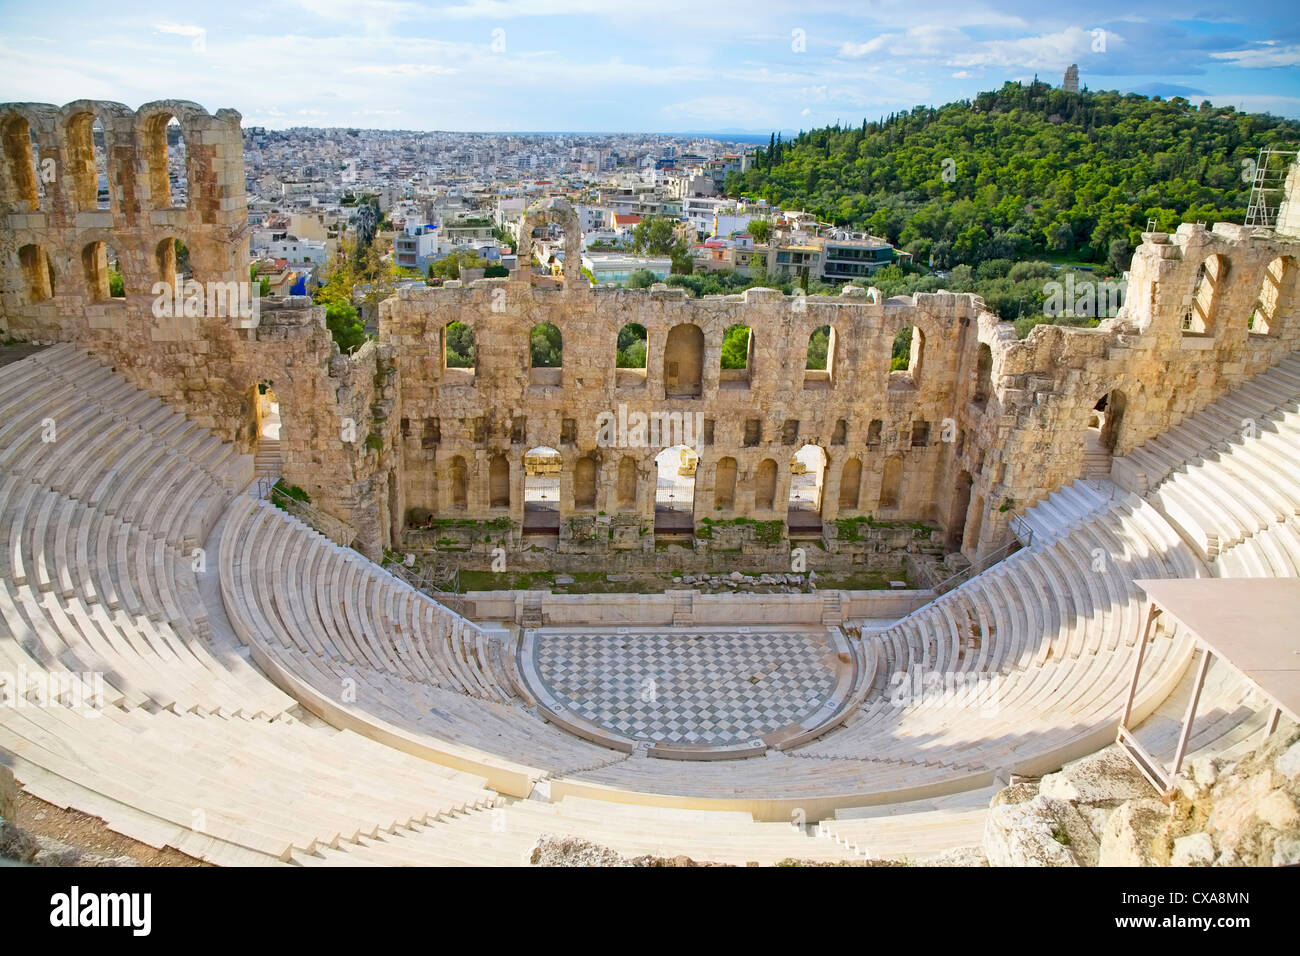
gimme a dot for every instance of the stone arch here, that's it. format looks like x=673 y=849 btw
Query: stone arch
x=561 y=212
x=99 y=265
x=736 y=357
x=1116 y=404
x=38 y=273
x=458 y=484
x=546 y=346
x=631 y=355
x=584 y=482
x=543 y=467
x=675 y=470
x=819 y=360
x=724 y=484
x=983 y=374
x=165 y=138
x=765 y=485
x=974 y=528
x=907 y=354
x=891 y=481
x=458 y=349
x=1276 y=296
x=545 y=354
x=684 y=361
x=850 y=484
x=1207 y=292
x=958 y=513
x=166 y=266
x=499 y=482
x=22 y=172
x=627 y=482
x=88 y=160
x=808 y=469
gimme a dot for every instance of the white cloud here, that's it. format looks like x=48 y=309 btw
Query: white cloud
x=855 y=50
x=400 y=69
x=180 y=29
x=1266 y=55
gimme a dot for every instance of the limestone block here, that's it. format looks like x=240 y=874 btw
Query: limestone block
x=1132 y=832
x=1194 y=850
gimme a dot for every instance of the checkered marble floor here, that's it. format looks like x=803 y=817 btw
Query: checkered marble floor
x=707 y=686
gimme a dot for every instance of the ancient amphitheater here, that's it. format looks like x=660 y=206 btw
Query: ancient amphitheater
x=204 y=671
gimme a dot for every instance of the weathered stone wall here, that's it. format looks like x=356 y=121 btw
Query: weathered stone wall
x=502 y=407
x=981 y=426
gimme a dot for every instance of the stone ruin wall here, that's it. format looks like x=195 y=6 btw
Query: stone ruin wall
x=1019 y=411
x=208 y=366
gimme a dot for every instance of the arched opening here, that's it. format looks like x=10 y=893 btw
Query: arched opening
x=724 y=485
x=88 y=154
x=974 y=527
x=103 y=272
x=765 y=485
x=38 y=273
x=850 y=485
x=167 y=266
x=626 y=491
x=630 y=355
x=546 y=354
x=267 y=406
x=550 y=244
x=983 y=375
x=167 y=157
x=458 y=348
x=807 y=478
x=675 y=469
x=499 y=482
x=907 y=355
x=542 y=468
x=1101 y=436
x=1276 y=295
x=957 y=513
x=22 y=172
x=1207 y=289
x=584 y=482
x=458 y=484
x=891 y=481
x=737 y=357
x=820 y=360
x=684 y=362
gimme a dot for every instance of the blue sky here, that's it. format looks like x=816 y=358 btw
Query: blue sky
x=635 y=65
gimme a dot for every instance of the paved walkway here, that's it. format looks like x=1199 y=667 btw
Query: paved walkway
x=702 y=686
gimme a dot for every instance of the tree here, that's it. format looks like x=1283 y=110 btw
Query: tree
x=654 y=236
x=546 y=346
x=631 y=346
x=460 y=345
x=342 y=321
x=735 y=347
x=641 y=279
x=449 y=267
x=760 y=230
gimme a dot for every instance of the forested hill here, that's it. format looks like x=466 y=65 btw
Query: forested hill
x=1031 y=171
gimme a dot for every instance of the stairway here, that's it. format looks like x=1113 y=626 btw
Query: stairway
x=832 y=611
x=1096 y=460
x=683 y=608
x=267 y=463
x=532 y=612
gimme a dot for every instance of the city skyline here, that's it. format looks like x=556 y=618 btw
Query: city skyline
x=580 y=66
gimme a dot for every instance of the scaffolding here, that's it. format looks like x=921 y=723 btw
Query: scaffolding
x=1266 y=186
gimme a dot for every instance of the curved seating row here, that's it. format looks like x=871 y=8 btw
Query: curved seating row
x=367 y=642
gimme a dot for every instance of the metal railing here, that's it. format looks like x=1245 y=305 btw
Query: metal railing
x=337 y=530
x=983 y=564
x=424 y=580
